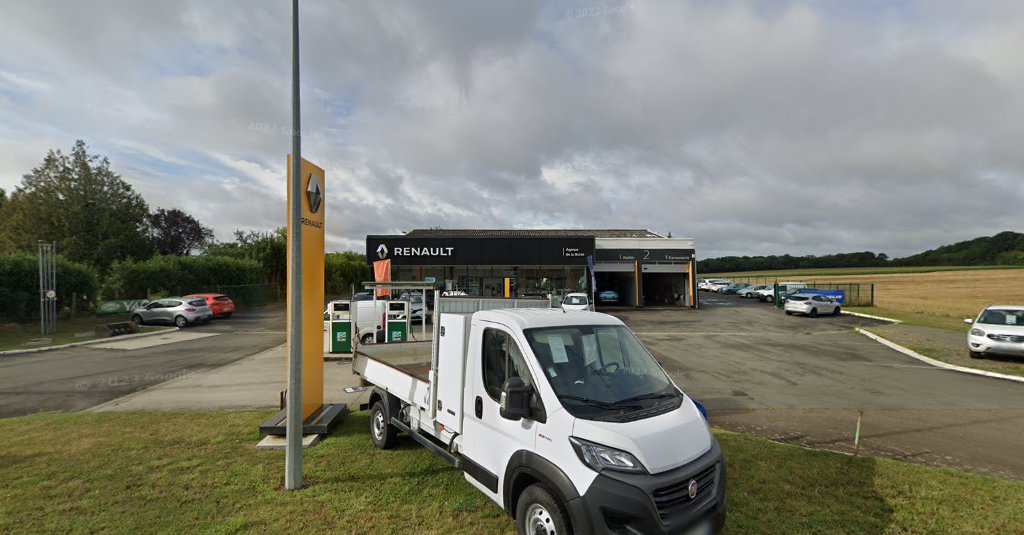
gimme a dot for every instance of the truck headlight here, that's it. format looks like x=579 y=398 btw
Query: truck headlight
x=977 y=332
x=600 y=457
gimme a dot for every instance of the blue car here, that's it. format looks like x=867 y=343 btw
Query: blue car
x=608 y=296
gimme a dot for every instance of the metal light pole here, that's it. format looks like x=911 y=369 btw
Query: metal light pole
x=293 y=430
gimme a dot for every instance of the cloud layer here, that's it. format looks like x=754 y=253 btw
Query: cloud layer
x=790 y=127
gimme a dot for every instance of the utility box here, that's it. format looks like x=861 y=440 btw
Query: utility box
x=398 y=322
x=340 y=326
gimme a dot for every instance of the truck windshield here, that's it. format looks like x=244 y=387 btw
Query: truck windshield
x=599 y=371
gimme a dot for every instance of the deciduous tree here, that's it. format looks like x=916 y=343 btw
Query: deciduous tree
x=176 y=233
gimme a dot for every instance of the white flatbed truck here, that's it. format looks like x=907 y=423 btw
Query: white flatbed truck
x=563 y=419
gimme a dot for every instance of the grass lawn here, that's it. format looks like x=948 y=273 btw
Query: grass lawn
x=199 y=472
x=940 y=297
x=80 y=329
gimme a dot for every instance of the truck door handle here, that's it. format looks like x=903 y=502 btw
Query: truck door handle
x=479 y=407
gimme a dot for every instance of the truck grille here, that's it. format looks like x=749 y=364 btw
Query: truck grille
x=675 y=498
x=1007 y=338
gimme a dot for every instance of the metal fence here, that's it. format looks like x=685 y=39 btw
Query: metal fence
x=857 y=294
x=250 y=295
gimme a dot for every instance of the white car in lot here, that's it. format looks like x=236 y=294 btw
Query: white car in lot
x=998 y=330
x=811 y=305
x=716 y=285
x=753 y=291
x=576 y=301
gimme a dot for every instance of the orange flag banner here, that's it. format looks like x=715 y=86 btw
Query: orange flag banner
x=382 y=273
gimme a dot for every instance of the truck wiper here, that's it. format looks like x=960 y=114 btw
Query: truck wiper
x=603 y=404
x=643 y=397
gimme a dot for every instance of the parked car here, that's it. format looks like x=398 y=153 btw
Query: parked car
x=733 y=288
x=608 y=296
x=718 y=285
x=998 y=330
x=174 y=310
x=416 y=308
x=220 y=305
x=811 y=305
x=576 y=301
x=708 y=283
x=752 y=291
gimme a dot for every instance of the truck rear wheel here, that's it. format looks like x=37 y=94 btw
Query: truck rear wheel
x=382 y=432
x=540 y=512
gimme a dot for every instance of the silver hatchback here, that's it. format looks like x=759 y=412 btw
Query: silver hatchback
x=174 y=310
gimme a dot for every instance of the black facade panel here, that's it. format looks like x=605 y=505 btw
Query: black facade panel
x=411 y=251
x=644 y=255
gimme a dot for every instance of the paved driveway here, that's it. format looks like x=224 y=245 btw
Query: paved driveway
x=804 y=380
x=79 y=378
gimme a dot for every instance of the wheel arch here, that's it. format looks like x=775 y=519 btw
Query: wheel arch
x=526 y=468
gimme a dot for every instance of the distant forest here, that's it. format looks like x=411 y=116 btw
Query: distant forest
x=1005 y=248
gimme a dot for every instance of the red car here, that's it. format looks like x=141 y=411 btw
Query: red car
x=221 y=305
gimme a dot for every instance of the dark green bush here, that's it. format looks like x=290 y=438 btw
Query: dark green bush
x=19 y=286
x=177 y=275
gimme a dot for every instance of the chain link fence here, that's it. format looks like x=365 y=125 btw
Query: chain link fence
x=250 y=295
x=856 y=294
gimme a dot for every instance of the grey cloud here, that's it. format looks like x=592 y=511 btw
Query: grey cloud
x=794 y=127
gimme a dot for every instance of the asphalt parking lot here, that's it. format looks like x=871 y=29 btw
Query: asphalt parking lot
x=803 y=380
x=81 y=377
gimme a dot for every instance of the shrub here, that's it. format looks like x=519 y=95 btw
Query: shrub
x=177 y=275
x=19 y=286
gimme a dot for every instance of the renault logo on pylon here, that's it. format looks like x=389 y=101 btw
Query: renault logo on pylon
x=313 y=193
x=382 y=251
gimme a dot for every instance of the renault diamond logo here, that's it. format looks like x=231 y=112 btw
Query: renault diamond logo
x=691 y=489
x=382 y=251
x=314 y=194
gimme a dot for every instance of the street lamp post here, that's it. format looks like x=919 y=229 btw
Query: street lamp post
x=293 y=430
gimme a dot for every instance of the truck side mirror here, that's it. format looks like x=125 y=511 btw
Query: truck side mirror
x=515 y=399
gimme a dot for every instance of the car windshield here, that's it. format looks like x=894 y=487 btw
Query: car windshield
x=1002 y=317
x=599 y=371
x=576 y=300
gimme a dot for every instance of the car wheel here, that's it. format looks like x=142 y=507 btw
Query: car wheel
x=788 y=313
x=137 y=319
x=366 y=339
x=974 y=354
x=539 y=511
x=382 y=433
x=181 y=322
x=814 y=313
x=837 y=312
x=228 y=314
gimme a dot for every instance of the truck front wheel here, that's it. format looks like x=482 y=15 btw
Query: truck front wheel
x=382 y=432
x=540 y=512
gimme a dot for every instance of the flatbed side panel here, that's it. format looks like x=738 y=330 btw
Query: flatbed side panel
x=402 y=385
x=451 y=369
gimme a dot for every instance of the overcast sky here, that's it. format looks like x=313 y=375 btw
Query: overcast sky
x=753 y=127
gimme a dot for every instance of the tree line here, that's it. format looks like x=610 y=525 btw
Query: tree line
x=111 y=245
x=1005 y=248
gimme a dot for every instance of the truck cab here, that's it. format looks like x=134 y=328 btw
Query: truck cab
x=563 y=419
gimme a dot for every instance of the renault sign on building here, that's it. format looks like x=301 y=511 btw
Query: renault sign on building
x=640 y=267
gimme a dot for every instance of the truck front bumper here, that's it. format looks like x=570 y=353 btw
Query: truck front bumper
x=619 y=503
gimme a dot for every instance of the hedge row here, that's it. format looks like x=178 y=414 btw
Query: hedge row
x=177 y=275
x=19 y=286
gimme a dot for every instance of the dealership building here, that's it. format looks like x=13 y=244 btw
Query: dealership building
x=643 y=268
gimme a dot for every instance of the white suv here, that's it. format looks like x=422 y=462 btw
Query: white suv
x=998 y=330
